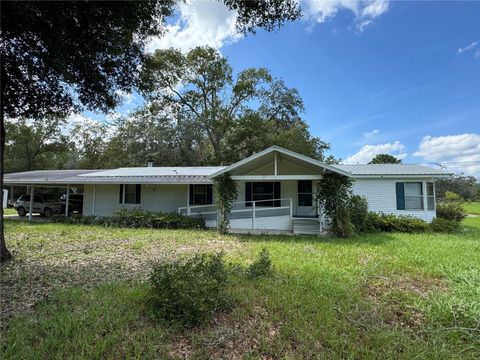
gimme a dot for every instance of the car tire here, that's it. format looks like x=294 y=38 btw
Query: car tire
x=47 y=212
x=21 y=211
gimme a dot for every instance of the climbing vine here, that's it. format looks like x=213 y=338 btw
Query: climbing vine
x=225 y=194
x=334 y=192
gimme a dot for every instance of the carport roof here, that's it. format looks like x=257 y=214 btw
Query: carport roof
x=60 y=177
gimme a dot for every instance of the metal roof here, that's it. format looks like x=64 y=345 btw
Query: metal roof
x=375 y=170
x=139 y=175
x=44 y=176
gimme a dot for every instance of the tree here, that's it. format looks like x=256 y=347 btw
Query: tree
x=385 y=159
x=465 y=186
x=233 y=116
x=60 y=56
x=35 y=144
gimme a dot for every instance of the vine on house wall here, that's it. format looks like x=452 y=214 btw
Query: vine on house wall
x=334 y=192
x=226 y=193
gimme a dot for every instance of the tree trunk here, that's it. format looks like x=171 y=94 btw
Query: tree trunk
x=4 y=253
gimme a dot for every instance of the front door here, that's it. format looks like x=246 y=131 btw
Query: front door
x=305 y=206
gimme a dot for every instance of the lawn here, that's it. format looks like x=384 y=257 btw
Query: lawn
x=9 y=211
x=79 y=292
x=472 y=207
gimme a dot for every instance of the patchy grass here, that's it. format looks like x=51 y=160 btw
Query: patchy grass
x=79 y=291
x=472 y=207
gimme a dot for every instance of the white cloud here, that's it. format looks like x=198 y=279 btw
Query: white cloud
x=368 y=152
x=126 y=97
x=458 y=153
x=468 y=47
x=370 y=134
x=200 y=23
x=365 y=11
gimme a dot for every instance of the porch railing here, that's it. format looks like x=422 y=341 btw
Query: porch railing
x=243 y=210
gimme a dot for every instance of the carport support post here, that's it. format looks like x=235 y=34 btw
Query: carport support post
x=31 y=203
x=67 y=201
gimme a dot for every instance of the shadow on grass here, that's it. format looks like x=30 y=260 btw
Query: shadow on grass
x=364 y=239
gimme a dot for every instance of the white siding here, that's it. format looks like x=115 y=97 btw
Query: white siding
x=381 y=197
x=163 y=198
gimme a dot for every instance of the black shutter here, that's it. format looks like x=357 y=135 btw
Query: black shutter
x=190 y=196
x=277 y=193
x=209 y=194
x=248 y=194
x=400 y=188
x=138 y=193
x=120 y=195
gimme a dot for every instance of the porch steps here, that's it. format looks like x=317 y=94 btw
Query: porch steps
x=306 y=226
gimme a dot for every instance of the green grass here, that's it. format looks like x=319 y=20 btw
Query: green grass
x=375 y=296
x=9 y=211
x=472 y=207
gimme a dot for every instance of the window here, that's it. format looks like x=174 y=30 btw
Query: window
x=409 y=195
x=130 y=194
x=258 y=191
x=430 y=196
x=200 y=194
x=304 y=193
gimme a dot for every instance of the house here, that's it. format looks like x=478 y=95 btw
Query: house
x=276 y=190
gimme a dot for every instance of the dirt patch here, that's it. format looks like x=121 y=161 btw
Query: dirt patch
x=391 y=296
x=39 y=269
x=226 y=338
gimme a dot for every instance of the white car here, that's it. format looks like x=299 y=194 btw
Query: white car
x=45 y=208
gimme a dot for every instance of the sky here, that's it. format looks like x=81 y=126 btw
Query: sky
x=398 y=77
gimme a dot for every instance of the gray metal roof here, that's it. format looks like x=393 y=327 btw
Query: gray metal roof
x=142 y=175
x=373 y=170
x=191 y=175
x=44 y=176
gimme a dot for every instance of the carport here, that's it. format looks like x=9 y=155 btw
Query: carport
x=45 y=178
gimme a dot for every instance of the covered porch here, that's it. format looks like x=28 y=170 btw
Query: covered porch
x=276 y=193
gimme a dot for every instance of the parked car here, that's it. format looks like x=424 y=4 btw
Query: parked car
x=75 y=203
x=40 y=205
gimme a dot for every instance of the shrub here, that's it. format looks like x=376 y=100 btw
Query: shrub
x=451 y=211
x=136 y=218
x=444 y=225
x=190 y=291
x=390 y=223
x=262 y=266
x=453 y=197
x=358 y=209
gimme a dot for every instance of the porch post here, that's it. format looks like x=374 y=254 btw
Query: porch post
x=67 y=200
x=94 y=199
x=253 y=215
x=32 y=191
x=188 y=199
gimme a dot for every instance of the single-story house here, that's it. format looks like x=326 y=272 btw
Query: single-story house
x=276 y=190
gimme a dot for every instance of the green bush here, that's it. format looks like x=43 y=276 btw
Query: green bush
x=444 y=225
x=390 y=223
x=136 y=218
x=358 y=209
x=451 y=211
x=262 y=266
x=190 y=291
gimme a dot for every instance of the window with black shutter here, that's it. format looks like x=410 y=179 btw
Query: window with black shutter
x=201 y=194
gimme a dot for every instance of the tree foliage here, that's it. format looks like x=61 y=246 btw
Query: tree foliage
x=385 y=159
x=226 y=192
x=65 y=55
x=334 y=192
x=230 y=116
x=465 y=186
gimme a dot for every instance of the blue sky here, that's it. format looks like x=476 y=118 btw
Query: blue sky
x=375 y=76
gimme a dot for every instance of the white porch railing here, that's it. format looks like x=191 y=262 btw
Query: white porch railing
x=259 y=214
